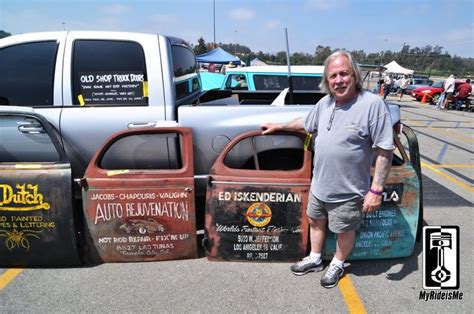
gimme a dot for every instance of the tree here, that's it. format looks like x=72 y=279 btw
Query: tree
x=236 y=48
x=201 y=47
x=301 y=58
x=321 y=53
x=428 y=59
x=438 y=50
x=359 y=55
x=280 y=57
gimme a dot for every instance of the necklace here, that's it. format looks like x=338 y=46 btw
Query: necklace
x=331 y=118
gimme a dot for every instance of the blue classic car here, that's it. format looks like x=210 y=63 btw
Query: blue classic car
x=211 y=80
x=273 y=78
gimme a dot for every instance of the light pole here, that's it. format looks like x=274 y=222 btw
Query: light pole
x=214 y=10
x=383 y=52
x=235 y=44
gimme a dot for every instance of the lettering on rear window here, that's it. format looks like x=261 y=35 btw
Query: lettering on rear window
x=108 y=72
x=112 y=87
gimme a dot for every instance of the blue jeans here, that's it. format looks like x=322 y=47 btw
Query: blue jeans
x=440 y=100
x=386 y=90
x=459 y=102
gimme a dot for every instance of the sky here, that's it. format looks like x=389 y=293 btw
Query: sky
x=369 y=25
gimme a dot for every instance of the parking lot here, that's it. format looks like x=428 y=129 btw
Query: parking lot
x=198 y=285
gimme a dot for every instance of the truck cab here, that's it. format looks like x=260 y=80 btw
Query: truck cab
x=92 y=84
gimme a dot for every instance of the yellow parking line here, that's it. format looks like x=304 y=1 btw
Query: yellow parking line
x=354 y=304
x=448 y=177
x=452 y=134
x=8 y=276
x=448 y=166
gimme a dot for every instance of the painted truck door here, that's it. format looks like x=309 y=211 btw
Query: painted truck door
x=37 y=225
x=256 y=199
x=391 y=231
x=137 y=207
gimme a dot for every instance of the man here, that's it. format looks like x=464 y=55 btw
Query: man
x=212 y=68
x=387 y=85
x=448 y=90
x=404 y=82
x=227 y=66
x=463 y=92
x=350 y=123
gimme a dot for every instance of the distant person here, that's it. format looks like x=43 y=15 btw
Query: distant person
x=404 y=82
x=212 y=68
x=463 y=92
x=241 y=82
x=353 y=128
x=441 y=100
x=226 y=67
x=380 y=86
x=387 y=85
x=448 y=90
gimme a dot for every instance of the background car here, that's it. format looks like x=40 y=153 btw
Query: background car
x=417 y=83
x=273 y=78
x=433 y=92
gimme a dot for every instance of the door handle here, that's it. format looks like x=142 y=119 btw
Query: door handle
x=134 y=125
x=32 y=129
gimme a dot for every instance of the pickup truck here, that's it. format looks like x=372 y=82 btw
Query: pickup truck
x=90 y=85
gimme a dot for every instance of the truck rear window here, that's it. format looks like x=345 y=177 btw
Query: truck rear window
x=185 y=71
x=107 y=72
x=279 y=82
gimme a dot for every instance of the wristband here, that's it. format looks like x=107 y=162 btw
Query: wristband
x=375 y=192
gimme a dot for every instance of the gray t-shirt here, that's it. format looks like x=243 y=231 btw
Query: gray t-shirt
x=343 y=148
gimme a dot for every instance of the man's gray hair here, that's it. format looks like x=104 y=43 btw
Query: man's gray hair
x=324 y=86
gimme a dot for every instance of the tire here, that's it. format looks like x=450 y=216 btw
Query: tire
x=435 y=99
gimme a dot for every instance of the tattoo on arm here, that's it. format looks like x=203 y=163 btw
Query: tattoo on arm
x=383 y=163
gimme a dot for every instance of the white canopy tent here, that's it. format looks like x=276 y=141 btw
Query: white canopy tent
x=395 y=68
x=257 y=61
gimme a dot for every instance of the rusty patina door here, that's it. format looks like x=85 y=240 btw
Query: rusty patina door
x=138 y=195
x=391 y=231
x=256 y=199
x=37 y=225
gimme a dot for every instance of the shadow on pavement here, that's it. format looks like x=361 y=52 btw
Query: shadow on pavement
x=436 y=195
x=377 y=267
